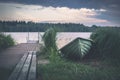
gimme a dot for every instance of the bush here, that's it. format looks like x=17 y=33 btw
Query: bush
x=6 y=41
x=107 y=44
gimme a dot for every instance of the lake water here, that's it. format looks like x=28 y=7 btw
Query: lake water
x=63 y=38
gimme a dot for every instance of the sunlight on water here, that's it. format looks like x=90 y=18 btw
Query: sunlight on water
x=63 y=38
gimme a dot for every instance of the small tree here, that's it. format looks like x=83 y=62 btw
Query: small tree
x=49 y=39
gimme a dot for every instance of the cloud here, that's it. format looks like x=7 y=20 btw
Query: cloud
x=69 y=3
x=38 y=13
x=112 y=6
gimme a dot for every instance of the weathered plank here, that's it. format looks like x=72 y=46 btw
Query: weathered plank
x=32 y=71
x=25 y=69
x=18 y=68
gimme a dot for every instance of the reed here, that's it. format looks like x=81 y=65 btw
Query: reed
x=107 y=44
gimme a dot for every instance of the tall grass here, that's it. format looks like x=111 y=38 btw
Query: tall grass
x=76 y=71
x=107 y=44
x=67 y=70
x=49 y=39
x=6 y=41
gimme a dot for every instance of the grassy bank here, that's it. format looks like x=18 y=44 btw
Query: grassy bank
x=69 y=70
x=100 y=64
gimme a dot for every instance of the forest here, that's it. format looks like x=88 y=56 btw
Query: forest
x=22 y=26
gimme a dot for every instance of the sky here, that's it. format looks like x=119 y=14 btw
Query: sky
x=87 y=12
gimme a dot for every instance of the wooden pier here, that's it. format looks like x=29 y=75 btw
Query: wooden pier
x=11 y=57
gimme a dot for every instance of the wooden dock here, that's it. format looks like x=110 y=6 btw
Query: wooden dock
x=11 y=56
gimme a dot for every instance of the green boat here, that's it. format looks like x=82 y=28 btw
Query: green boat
x=76 y=49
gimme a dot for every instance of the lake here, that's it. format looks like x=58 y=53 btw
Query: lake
x=63 y=38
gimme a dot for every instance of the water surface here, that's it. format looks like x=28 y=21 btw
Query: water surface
x=63 y=38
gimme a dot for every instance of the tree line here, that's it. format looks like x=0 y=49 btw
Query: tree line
x=22 y=26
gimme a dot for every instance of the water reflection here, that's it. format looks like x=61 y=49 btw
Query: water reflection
x=63 y=38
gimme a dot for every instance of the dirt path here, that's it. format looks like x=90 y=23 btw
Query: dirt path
x=11 y=56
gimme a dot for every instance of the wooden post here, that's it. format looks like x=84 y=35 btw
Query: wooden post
x=38 y=37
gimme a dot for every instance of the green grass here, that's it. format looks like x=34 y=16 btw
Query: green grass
x=66 y=70
x=107 y=46
x=6 y=41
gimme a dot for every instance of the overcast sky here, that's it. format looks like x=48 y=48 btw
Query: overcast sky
x=88 y=12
